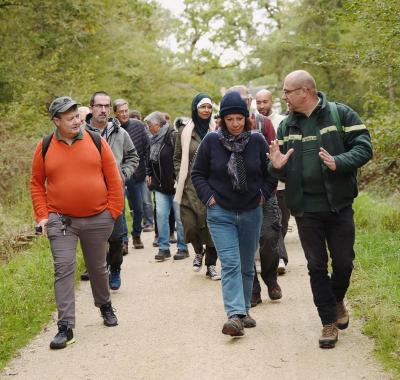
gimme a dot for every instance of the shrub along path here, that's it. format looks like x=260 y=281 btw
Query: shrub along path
x=170 y=321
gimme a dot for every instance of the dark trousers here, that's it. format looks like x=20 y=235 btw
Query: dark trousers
x=285 y=215
x=210 y=253
x=114 y=254
x=270 y=231
x=134 y=194
x=317 y=231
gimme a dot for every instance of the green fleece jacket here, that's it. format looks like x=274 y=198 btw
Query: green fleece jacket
x=310 y=185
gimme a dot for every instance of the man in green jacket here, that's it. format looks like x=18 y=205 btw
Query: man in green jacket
x=319 y=147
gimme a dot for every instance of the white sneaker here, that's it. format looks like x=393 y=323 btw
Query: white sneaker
x=212 y=273
x=197 y=262
x=281 y=267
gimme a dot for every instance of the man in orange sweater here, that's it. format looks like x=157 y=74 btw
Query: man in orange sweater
x=77 y=193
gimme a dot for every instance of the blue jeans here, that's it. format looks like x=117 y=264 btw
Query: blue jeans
x=134 y=193
x=147 y=205
x=164 y=203
x=236 y=236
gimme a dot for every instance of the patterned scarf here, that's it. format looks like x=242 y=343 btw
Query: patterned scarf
x=236 y=168
x=156 y=143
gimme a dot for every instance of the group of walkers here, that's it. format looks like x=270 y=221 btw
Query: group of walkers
x=215 y=181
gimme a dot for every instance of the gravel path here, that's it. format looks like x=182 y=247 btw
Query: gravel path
x=170 y=321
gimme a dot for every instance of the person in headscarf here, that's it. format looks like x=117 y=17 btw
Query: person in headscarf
x=230 y=175
x=193 y=212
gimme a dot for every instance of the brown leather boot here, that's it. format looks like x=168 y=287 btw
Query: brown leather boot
x=137 y=243
x=329 y=336
x=342 y=316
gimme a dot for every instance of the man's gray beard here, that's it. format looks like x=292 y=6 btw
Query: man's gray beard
x=100 y=122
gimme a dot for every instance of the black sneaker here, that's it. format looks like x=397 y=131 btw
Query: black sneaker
x=162 y=255
x=63 y=338
x=107 y=312
x=181 y=254
x=233 y=326
x=85 y=276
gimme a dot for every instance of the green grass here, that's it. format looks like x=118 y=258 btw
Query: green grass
x=26 y=297
x=375 y=290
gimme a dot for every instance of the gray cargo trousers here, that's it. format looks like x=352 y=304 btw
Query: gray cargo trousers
x=93 y=233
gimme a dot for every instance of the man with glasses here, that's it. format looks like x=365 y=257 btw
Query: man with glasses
x=320 y=146
x=127 y=159
x=136 y=187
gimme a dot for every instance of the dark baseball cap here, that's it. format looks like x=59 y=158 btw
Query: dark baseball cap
x=61 y=104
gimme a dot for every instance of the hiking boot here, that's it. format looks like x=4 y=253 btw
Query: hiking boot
x=281 y=267
x=85 y=276
x=342 y=316
x=255 y=299
x=148 y=228
x=107 y=312
x=233 y=326
x=162 y=255
x=212 y=273
x=329 y=336
x=125 y=248
x=172 y=238
x=137 y=243
x=114 y=279
x=248 y=321
x=63 y=338
x=181 y=254
x=155 y=241
x=274 y=291
x=198 y=262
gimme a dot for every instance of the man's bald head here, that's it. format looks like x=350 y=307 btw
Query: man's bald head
x=300 y=92
x=301 y=78
x=244 y=93
x=264 y=102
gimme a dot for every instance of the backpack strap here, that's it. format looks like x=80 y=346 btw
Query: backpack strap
x=96 y=139
x=335 y=115
x=45 y=144
x=47 y=140
x=260 y=123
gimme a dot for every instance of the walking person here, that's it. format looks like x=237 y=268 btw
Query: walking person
x=320 y=146
x=264 y=103
x=231 y=178
x=127 y=159
x=161 y=179
x=136 y=184
x=77 y=194
x=192 y=211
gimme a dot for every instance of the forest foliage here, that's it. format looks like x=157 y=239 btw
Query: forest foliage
x=75 y=47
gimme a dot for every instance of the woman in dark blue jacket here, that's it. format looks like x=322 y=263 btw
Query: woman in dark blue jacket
x=230 y=176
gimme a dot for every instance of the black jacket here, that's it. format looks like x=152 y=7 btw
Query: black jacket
x=162 y=173
x=350 y=145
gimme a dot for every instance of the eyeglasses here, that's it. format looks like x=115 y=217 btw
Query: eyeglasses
x=288 y=92
x=106 y=106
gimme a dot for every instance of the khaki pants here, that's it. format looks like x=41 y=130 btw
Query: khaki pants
x=93 y=233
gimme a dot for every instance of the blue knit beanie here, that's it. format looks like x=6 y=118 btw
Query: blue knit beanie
x=233 y=103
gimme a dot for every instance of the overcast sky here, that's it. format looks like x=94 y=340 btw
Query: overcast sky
x=175 y=6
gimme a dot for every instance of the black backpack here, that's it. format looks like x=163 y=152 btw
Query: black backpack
x=47 y=140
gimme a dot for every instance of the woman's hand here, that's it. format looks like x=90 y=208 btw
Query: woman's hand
x=278 y=159
x=211 y=202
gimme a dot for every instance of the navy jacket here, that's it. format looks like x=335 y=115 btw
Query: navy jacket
x=137 y=132
x=210 y=174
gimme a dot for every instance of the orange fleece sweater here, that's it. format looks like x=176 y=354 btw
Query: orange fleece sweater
x=75 y=180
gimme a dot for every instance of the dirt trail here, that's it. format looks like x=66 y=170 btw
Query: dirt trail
x=170 y=321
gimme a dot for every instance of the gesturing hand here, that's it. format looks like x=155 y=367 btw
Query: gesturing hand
x=278 y=159
x=327 y=159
